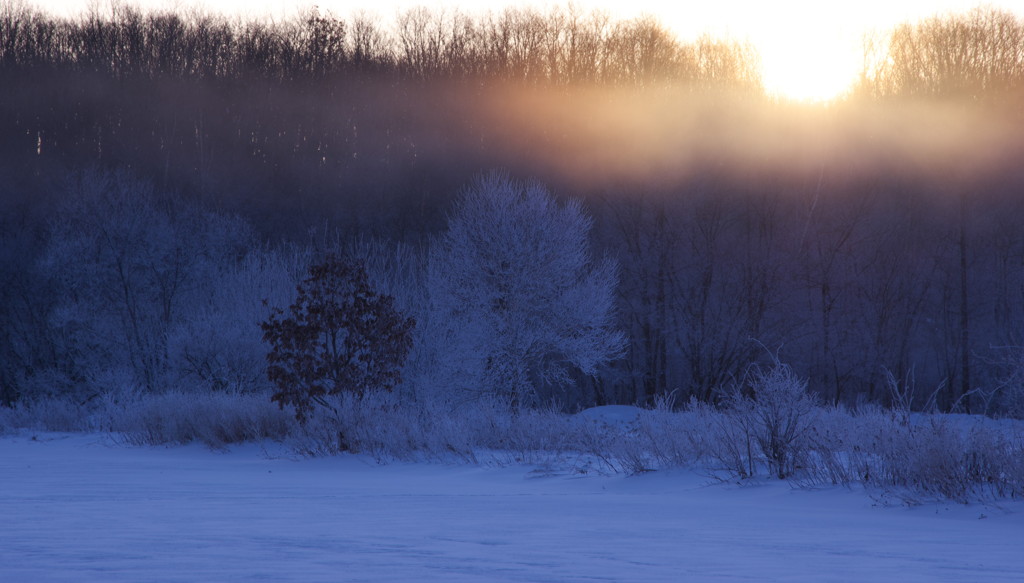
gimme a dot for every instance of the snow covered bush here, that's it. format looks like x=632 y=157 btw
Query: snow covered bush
x=725 y=440
x=339 y=336
x=931 y=457
x=633 y=440
x=782 y=411
x=386 y=427
x=840 y=446
x=180 y=417
x=915 y=458
x=375 y=423
x=171 y=417
x=766 y=420
x=673 y=438
x=940 y=457
x=48 y=414
x=519 y=300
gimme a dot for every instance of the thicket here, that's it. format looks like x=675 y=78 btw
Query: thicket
x=909 y=460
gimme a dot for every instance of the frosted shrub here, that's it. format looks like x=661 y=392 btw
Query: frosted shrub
x=723 y=444
x=937 y=459
x=138 y=418
x=782 y=412
x=920 y=457
x=214 y=419
x=613 y=447
x=840 y=446
x=668 y=437
x=923 y=457
x=526 y=430
x=764 y=422
x=386 y=427
x=380 y=424
x=655 y=438
x=46 y=414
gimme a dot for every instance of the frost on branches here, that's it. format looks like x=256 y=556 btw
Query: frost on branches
x=338 y=336
x=521 y=297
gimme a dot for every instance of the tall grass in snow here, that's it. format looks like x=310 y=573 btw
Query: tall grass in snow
x=910 y=459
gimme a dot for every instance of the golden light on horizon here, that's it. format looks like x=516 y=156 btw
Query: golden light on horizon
x=811 y=51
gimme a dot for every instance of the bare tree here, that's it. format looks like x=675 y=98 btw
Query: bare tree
x=967 y=55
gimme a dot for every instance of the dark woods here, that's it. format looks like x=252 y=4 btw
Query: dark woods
x=873 y=244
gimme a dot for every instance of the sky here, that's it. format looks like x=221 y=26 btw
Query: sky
x=782 y=30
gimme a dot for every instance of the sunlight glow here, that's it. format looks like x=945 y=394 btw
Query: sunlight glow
x=823 y=75
x=805 y=61
x=811 y=51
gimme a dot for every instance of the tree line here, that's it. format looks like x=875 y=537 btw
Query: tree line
x=560 y=45
x=972 y=54
x=977 y=55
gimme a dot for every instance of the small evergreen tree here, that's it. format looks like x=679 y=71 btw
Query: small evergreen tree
x=339 y=335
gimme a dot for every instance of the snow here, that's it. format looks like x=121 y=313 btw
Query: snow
x=612 y=414
x=77 y=508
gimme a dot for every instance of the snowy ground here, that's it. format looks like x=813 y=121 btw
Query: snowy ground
x=75 y=508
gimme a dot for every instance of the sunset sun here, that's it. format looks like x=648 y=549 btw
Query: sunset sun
x=806 y=54
x=789 y=71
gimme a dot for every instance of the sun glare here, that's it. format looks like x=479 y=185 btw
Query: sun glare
x=810 y=51
x=790 y=71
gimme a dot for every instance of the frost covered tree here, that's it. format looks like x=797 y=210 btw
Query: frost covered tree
x=517 y=294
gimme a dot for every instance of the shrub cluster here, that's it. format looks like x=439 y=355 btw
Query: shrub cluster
x=215 y=419
x=928 y=457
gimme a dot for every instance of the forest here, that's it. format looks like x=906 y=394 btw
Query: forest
x=168 y=179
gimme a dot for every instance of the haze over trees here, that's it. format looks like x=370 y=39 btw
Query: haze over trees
x=161 y=174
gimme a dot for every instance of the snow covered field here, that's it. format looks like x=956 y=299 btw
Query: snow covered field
x=76 y=508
